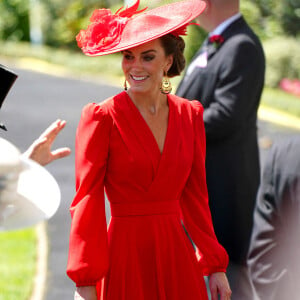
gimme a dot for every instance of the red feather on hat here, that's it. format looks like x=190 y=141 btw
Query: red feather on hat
x=130 y=11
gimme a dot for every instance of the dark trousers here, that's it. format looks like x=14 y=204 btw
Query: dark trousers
x=240 y=282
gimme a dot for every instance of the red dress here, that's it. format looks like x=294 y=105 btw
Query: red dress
x=145 y=254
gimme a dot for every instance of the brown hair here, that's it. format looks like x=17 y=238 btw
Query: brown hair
x=174 y=45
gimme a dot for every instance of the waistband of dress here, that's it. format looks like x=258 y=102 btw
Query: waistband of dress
x=144 y=208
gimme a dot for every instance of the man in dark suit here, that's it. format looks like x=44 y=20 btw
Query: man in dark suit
x=227 y=77
x=274 y=259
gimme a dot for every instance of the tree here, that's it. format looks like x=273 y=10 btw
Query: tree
x=14 y=21
x=64 y=19
x=281 y=16
x=289 y=16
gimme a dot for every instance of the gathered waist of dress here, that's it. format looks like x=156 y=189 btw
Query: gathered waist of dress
x=144 y=208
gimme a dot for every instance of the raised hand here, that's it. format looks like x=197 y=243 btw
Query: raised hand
x=40 y=150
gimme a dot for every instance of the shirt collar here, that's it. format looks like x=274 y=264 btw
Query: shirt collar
x=221 y=28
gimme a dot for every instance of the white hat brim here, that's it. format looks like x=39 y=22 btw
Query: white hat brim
x=35 y=198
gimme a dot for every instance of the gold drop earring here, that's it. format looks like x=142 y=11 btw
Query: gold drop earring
x=166 y=86
x=125 y=85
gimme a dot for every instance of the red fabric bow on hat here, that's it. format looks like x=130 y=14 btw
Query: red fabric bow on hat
x=105 y=28
x=216 y=40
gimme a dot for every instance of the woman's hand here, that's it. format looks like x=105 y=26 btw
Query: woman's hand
x=218 y=284
x=85 y=293
x=40 y=150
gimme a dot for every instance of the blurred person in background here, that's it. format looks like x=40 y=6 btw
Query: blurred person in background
x=274 y=259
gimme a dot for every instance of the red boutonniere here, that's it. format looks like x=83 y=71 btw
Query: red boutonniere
x=216 y=40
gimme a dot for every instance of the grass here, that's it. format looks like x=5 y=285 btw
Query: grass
x=75 y=62
x=17 y=264
x=282 y=101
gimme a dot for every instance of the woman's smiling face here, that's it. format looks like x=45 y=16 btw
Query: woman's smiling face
x=144 y=66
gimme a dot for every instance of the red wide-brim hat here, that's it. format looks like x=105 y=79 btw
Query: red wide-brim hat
x=110 y=33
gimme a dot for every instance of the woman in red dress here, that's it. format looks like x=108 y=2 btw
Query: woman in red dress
x=146 y=149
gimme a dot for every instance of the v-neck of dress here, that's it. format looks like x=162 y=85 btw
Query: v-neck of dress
x=147 y=130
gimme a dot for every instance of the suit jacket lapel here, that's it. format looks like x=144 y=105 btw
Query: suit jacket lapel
x=211 y=50
x=185 y=82
x=184 y=85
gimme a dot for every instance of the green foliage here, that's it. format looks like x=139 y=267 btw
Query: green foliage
x=17 y=264
x=253 y=16
x=283 y=59
x=267 y=7
x=285 y=13
x=14 y=21
x=289 y=16
x=45 y=57
x=264 y=24
x=193 y=41
x=64 y=19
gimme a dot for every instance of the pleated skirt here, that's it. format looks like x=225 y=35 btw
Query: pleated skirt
x=151 y=258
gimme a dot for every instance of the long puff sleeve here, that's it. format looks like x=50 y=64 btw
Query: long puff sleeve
x=88 y=249
x=195 y=208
